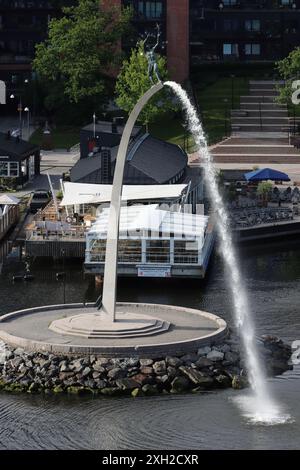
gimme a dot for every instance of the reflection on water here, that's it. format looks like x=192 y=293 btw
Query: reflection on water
x=207 y=421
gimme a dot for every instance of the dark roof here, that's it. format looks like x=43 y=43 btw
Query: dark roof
x=149 y=161
x=15 y=148
x=106 y=134
x=156 y=159
x=234 y=175
x=85 y=170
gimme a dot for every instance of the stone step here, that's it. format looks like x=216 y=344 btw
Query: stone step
x=263 y=83
x=242 y=120
x=255 y=159
x=257 y=99
x=263 y=92
x=264 y=106
x=258 y=128
x=264 y=113
x=269 y=135
x=256 y=150
x=283 y=142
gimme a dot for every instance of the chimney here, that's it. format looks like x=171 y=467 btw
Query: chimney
x=105 y=167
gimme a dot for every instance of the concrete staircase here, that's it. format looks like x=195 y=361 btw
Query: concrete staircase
x=259 y=111
x=259 y=130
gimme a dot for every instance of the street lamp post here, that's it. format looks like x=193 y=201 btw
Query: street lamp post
x=225 y=115
x=27 y=110
x=20 y=109
x=232 y=91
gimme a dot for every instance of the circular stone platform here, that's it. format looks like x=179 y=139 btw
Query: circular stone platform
x=186 y=330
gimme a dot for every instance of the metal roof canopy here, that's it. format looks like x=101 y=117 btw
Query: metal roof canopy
x=149 y=218
x=83 y=193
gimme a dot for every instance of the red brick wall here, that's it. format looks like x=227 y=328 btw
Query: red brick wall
x=178 y=39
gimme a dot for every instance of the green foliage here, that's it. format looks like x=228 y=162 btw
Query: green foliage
x=289 y=70
x=82 y=47
x=133 y=81
x=264 y=188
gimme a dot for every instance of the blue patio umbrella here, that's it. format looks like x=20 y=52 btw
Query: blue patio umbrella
x=266 y=174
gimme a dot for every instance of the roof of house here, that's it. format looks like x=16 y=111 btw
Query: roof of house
x=108 y=134
x=149 y=161
x=15 y=148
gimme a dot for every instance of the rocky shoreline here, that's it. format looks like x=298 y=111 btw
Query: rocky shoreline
x=217 y=367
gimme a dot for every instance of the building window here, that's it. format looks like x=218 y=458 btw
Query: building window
x=230 y=49
x=231 y=25
x=158 y=251
x=14 y=169
x=151 y=9
x=287 y=2
x=3 y=169
x=252 y=49
x=229 y=2
x=252 y=25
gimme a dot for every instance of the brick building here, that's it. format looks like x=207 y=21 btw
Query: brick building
x=207 y=31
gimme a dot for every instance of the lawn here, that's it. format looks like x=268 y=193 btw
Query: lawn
x=215 y=111
x=63 y=137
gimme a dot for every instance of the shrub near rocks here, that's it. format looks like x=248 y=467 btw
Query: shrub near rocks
x=211 y=367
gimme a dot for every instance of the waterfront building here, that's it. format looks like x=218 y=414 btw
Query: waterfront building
x=99 y=146
x=19 y=161
x=153 y=243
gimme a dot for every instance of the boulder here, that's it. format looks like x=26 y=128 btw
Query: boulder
x=239 y=382
x=203 y=362
x=160 y=367
x=180 y=385
x=137 y=392
x=204 y=351
x=223 y=381
x=173 y=361
x=147 y=370
x=215 y=356
x=189 y=358
x=149 y=389
x=116 y=373
x=146 y=362
x=86 y=371
x=127 y=384
x=195 y=376
x=232 y=357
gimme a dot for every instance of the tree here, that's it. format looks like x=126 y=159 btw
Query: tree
x=82 y=47
x=264 y=189
x=288 y=69
x=133 y=81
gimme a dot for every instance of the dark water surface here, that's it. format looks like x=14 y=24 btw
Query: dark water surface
x=208 y=421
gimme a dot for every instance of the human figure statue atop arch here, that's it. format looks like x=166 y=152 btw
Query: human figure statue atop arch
x=150 y=54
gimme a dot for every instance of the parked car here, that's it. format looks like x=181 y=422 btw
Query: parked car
x=39 y=199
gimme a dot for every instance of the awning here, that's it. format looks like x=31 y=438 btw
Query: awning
x=82 y=193
x=266 y=174
x=9 y=200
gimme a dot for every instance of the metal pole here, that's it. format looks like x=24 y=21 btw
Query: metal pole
x=20 y=117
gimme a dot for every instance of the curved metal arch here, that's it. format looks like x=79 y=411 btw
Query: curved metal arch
x=111 y=255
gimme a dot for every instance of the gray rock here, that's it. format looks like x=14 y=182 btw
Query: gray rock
x=116 y=373
x=223 y=381
x=15 y=362
x=77 y=365
x=171 y=371
x=149 y=389
x=126 y=384
x=180 y=384
x=146 y=362
x=86 y=371
x=160 y=367
x=203 y=362
x=222 y=348
x=64 y=367
x=195 y=376
x=232 y=357
x=173 y=361
x=96 y=375
x=189 y=358
x=215 y=356
x=147 y=370
x=204 y=351
x=19 y=352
